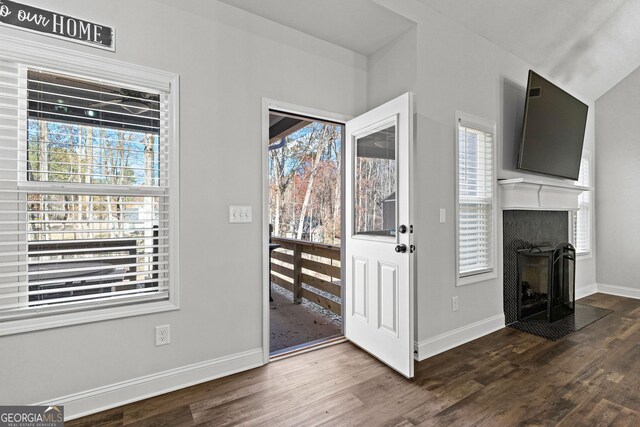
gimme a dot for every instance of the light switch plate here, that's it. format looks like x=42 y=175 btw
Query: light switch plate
x=443 y=216
x=239 y=214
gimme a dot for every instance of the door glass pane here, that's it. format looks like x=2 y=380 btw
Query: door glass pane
x=375 y=183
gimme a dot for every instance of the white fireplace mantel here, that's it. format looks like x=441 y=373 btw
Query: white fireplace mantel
x=526 y=194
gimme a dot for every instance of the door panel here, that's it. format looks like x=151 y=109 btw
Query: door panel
x=360 y=291
x=378 y=239
x=388 y=298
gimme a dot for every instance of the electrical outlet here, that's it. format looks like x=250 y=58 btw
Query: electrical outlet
x=162 y=335
x=443 y=216
x=454 y=304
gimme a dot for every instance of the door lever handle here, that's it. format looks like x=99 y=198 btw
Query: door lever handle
x=401 y=248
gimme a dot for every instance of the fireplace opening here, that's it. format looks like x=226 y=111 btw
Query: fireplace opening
x=546 y=282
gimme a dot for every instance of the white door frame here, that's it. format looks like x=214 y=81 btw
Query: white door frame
x=270 y=104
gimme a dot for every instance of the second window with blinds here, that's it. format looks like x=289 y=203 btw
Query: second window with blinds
x=475 y=199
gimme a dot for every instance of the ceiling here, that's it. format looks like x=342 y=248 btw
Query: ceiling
x=281 y=126
x=358 y=25
x=589 y=45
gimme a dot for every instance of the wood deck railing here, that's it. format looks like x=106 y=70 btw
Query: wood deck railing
x=315 y=265
x=76 y=247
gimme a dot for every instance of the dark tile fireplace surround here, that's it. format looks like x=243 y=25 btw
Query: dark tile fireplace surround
x=523 y=229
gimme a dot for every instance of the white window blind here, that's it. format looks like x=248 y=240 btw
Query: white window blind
x=475 y=188
x=582 y=218
x=84 y=193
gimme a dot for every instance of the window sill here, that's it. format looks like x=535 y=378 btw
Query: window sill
x=476 y=278
x=11 y=327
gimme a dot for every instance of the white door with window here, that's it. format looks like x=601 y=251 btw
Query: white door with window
x=379 y=233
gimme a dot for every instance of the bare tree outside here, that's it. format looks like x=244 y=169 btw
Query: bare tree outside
x=304 y=184
x=73 y=153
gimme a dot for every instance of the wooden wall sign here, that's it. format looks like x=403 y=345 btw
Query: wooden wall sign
x=54 y=24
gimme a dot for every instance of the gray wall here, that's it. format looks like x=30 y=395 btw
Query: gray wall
x=617 y=181
x=227 y=60
x=449 y=68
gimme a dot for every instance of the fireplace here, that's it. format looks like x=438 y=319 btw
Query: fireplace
x=539 y=294
x=546 y=282
x=524 y=229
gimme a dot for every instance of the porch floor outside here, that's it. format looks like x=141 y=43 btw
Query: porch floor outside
x=296 y=324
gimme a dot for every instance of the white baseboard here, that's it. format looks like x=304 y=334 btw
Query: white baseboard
x=621 y=291
x=585 y=291
x=456 y=337
x=107 y=397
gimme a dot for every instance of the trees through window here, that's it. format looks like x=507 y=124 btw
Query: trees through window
x=84 y=197
x=304 y=181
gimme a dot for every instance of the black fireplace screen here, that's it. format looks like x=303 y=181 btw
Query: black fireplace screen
x=546 y=278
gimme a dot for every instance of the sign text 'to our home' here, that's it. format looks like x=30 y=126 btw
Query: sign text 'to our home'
x=55 y=24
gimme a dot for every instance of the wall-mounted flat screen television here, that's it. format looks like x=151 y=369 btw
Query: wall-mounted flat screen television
x=553 y=130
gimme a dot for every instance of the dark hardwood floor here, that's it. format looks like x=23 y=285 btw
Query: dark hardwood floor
x=589 y=378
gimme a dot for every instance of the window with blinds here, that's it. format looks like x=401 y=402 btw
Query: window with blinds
x=582 y=217
x=84 y=193
x=475 y=200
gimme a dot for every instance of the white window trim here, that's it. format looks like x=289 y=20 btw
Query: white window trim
x=469 y=120
x=588 y=254
x=37 y=54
